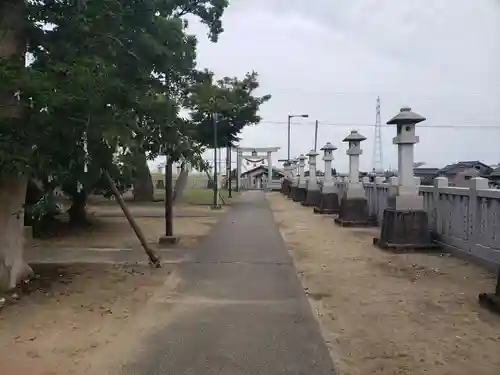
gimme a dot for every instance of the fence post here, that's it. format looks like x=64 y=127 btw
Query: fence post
x=476 y=183
x=378 y=181
x=439 y=183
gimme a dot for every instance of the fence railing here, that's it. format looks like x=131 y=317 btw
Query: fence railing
x=465 y=218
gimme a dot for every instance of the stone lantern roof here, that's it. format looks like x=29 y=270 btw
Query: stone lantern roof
x=354 y=137
x=328 y=147
x=312 y=153
x=406 y=116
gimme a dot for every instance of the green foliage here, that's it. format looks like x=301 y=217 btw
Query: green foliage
x=232 y=99
x=46 y=207
x=43 y=213
x=114 y=70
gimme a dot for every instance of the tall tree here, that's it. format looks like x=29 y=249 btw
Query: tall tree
x=234 y=101
x=98 y=70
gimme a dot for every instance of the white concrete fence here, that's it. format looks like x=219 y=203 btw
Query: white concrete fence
x=465 y=219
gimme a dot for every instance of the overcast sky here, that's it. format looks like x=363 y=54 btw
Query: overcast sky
x=331 y=59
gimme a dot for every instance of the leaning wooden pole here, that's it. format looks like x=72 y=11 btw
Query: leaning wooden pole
x=212 y=181
x=153 y=258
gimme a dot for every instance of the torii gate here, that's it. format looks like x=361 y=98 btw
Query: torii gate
x=252 y=154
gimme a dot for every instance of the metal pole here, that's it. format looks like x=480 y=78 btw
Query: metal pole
x=238 y=169
x=316 y=136
x=229 y=179
x=215 y=201
x=289 y=118
x=168 y=198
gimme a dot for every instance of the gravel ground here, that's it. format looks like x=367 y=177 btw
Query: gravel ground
x=383 y=313
x=68 y=315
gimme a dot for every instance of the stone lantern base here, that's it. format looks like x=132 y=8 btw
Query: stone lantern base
x=405 y=230
x=354 y=213
x=286 y=186
x=491 y=301
x=299 y=194
x=328 y=204
x=313 y=198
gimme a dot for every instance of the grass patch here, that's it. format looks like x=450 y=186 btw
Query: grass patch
x=197 y=196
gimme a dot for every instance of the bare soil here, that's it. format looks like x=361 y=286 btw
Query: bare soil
x=110 y=229
x=388 y=314
x=77 y=319
x=69 y=314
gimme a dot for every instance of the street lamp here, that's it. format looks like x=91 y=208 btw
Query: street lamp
x=215 y=205
x=289 y=123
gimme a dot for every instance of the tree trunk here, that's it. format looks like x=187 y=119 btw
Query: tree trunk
x=143 y=184
x=77 y=212
x=181 y=183
x=13 y=268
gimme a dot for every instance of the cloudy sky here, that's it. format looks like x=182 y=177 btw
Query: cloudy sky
x=331 y=59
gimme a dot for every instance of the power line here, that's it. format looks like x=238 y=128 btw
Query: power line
x=377 y=147
x=338 y=124
x=297 y=92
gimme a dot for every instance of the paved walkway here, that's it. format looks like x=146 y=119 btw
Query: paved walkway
x=247 y=312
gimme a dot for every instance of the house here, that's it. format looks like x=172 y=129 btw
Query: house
x=494 y=177
x=256 y=178
x=463 y=171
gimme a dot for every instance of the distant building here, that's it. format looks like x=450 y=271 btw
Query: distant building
x=495 y=177
x=463 y=171
x=256 y=178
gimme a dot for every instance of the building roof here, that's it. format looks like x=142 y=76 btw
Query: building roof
x=495 y=173
x=452 y=169
x=425 y=171
x=264 y=170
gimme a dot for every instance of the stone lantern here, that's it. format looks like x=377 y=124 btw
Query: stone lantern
x=286 y=184
x=294 y=178
x=313 y=195
x=329 y=202
x=300 y=191
x=405 y=224
x=354 y=206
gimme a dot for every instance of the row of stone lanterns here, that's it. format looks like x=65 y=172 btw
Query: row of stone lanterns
x=405 y=222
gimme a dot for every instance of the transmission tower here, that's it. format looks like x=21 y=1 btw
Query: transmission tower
x=378 y=164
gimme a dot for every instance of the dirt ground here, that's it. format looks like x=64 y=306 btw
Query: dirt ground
x=112 y=231
x=69 y=314
x=70 y=317
x=389 y=314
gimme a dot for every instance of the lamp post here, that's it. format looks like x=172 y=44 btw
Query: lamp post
x=289 y=123
x=215 y=204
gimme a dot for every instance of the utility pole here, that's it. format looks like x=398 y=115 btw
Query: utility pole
x=289 y=125
x=169 y=237
x=229 y=172
x=168 y=197
x=316 y=135
x=378 y=162
x=215 y=204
